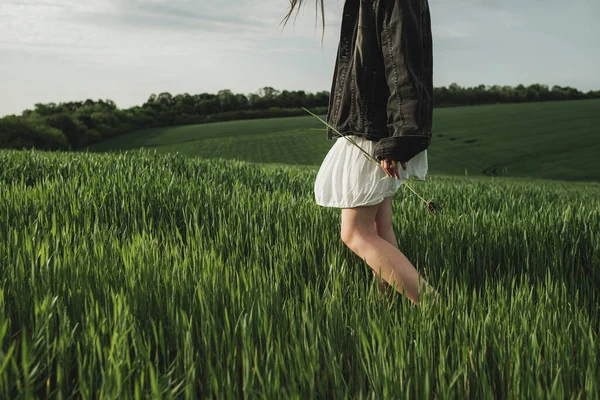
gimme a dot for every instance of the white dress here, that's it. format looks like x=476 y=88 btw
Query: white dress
x=348 y=179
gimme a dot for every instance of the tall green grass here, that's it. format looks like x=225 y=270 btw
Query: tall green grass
x=146 y=275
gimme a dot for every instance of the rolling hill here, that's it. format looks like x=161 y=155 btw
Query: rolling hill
x=557 y=140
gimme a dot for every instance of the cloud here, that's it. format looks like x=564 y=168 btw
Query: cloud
x=168 y=28
x=125 y=50
x=473 y=19
x=174 y=16
x=54 y=50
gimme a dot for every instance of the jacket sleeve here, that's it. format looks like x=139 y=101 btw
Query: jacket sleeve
x=404 y=34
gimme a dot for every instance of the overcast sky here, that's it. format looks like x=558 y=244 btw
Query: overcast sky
x=125 y=50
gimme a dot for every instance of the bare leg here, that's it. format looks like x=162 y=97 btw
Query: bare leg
x=383 y=223
x=385 y=230
x=360 y=235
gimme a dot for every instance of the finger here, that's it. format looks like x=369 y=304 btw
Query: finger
x=394 y=169
x=384 y=164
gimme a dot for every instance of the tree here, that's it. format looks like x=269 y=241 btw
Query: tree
x=73 y=129
x=164 y=99
x=21 y=133
x=227 y=100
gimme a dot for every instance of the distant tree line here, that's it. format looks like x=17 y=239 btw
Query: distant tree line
x=455 y=95
x=74 y=125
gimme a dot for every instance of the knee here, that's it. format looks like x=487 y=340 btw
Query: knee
x=353 y=238
x=346 y=236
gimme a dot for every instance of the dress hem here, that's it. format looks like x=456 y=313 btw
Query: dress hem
x=346 y=179
x=370 y=203
x=355 y=206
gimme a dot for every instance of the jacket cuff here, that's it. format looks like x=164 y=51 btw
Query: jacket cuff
x=401 y=148
x=331 y=134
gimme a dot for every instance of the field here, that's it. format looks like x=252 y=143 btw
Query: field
x=147 y=275
x=556 y=140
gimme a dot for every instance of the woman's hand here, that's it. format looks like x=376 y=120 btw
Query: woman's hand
x=391 y=168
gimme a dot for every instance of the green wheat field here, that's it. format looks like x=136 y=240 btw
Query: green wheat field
x=151 y=275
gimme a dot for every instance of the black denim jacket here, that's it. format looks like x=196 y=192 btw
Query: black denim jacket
x=383 y=81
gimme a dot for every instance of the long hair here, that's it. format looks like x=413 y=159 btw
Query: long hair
x=296 y=4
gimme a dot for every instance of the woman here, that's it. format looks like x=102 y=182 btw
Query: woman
x=382 y=98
